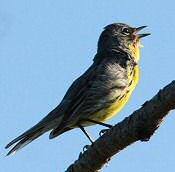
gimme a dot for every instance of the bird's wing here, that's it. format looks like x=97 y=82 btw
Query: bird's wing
x=78 y=92
x=87 y=94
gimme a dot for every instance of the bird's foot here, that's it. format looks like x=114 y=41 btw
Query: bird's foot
x=103 y=131
x=86 y=147
x=108 y=160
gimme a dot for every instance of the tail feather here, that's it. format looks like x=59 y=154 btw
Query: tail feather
x=28 y=132
x=25 y=140
x=47 y=123
x=57 y=131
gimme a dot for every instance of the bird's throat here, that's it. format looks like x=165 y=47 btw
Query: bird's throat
x=135 y=51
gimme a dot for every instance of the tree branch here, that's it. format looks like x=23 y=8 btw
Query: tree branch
x=140 y=125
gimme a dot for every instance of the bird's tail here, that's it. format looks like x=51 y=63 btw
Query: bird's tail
x=25 y=139
x=49 y=122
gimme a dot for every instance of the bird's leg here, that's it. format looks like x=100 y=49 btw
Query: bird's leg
x=100 y=123
x=87 y=135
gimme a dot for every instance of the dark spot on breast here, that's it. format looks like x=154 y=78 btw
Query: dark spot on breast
x=122 y=96
x=118 y=87
x=114 y=100
x=127 y=91
x=130 y=83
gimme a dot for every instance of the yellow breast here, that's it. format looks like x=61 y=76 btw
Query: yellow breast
x=133 y=77
x=120 y=103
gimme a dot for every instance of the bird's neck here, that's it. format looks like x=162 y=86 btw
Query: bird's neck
x=135 y=52
x=108 y=55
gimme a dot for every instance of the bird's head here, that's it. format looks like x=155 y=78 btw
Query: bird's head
x=119 y=36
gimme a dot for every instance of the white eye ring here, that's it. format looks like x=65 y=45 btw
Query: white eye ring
x=126 y=31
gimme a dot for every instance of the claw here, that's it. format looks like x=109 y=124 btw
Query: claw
x=107 y=161
x=102 y=132
x=85 y=147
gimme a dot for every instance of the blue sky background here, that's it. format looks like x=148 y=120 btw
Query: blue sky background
x=45 y=45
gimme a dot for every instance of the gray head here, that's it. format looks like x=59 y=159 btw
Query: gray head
x=120 y=36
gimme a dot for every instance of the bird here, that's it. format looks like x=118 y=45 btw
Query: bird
x=98 y=94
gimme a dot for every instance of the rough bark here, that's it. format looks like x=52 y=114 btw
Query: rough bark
x=140 y=125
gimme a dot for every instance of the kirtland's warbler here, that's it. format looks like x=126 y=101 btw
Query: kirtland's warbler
x=100 y=93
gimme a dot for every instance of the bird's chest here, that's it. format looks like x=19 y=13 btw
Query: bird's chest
x=122 y=78
x=133 y=76
x=125 y=84
x=121 y=91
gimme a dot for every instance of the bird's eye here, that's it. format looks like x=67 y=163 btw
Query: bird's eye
x=126 y=31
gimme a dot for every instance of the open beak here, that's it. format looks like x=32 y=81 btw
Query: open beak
x=140 y=35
